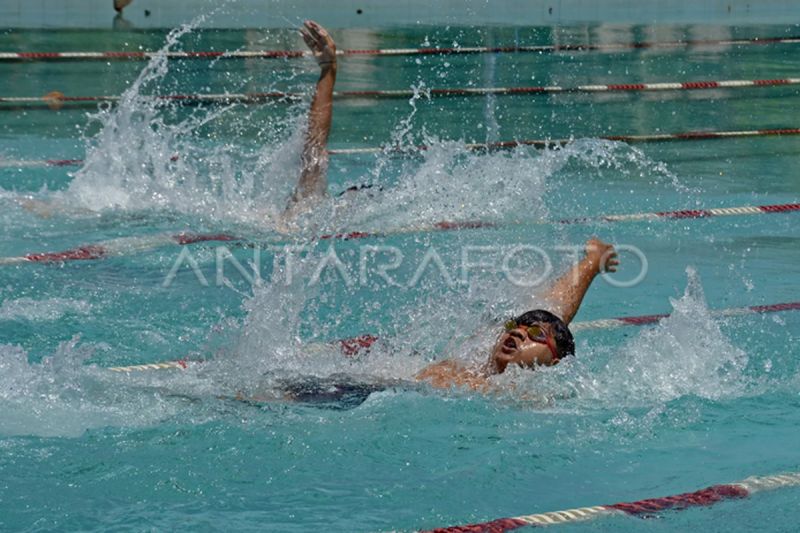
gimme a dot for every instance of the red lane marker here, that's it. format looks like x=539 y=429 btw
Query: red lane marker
x=787 y=131
x=76 y=254
x=436 y=50
x=699 y=498
x=627 y=87
x=291 y=54
x=780 y=208
x=125 y=55
x=38 y=55
x=63 y=162
x=204 y=54
x=696 y=135
x=700 y=85
x=641 y=320
x=775 y=307
x=771 y=82
x=495 y=526
x=191 y=238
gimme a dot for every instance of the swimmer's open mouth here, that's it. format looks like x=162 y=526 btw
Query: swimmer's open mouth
x=509 y=345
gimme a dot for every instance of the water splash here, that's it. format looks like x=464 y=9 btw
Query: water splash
x=145 y=159
x=272 y=344
x=685 y=355
x=60 y=396
x=149 y=157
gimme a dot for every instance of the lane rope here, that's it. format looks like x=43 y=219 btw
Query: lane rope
x=641 y=508
x=118 y=247
x=498 y=145
x=128 y=245
x=554 y=143
x=55 y=99
x=291 y=54
x=356 y=345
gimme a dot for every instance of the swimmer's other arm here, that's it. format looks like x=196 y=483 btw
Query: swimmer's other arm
x=314 y=159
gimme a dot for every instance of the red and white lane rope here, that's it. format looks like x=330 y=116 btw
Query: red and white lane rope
x=552 y=143
x=128 y=245
x=642 y=508
x=56 y=99
x=287 y=54
x=499 y=145
x=643 y=320
x=117 y=247
x=355 y=345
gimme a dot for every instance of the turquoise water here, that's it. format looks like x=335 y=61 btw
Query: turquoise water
x=640 y=412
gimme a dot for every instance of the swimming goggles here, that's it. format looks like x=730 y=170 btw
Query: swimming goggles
x=537 y=334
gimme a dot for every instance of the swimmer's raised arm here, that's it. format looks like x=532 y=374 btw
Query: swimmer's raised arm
x=568 y=291
x=314 y=160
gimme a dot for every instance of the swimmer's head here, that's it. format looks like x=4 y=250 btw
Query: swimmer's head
x=533 y=338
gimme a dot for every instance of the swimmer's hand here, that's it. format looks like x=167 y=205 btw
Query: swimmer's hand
x=320 y=43
x=602 y=256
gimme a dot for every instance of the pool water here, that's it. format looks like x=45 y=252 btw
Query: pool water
x=640 y=412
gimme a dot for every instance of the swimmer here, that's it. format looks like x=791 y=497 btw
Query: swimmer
x=535 y=338
x=538 y=337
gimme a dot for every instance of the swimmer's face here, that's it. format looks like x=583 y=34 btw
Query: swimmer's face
x=516 y=347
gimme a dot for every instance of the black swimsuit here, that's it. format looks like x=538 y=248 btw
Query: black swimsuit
x=338 y=392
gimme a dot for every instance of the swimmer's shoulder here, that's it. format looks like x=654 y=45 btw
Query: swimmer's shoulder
x=451 y=373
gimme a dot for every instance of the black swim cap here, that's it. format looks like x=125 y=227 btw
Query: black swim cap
x=565 y=344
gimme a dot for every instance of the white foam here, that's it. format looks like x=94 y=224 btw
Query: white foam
x=42 y=310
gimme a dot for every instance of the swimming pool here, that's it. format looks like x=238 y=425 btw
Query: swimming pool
x=695 y=400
